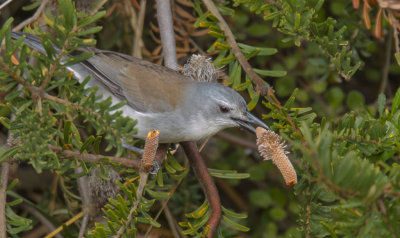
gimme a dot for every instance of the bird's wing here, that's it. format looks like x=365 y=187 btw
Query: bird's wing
x=144 y=85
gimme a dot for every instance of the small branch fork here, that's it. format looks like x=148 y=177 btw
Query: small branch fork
x=201 y=172
x=33 y=18
x=126 y=162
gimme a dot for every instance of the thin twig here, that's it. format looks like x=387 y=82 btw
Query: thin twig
x=83 y=188
x=41 y=218
x=5 y=168
x=172 y=222
x=33 y=18
x=5 y=4
x=127 y=162
x=67 y=223
x=167 y=33
x=209 y=188
x=4 y=173
x=139 y=30
x=165 y=203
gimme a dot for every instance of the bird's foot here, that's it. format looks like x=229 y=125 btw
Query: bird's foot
x=131 y=148
x=156 y=168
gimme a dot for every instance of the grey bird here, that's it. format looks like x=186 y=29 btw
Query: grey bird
x=162 y=99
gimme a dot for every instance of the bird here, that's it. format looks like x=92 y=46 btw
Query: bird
x=159 y=98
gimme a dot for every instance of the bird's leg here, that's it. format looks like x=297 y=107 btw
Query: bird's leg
x=131 y=148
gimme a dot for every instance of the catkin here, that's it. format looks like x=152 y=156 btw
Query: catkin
x=271 y=147
x=150 y=150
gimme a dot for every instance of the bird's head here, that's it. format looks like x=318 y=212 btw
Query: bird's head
x=223 y=107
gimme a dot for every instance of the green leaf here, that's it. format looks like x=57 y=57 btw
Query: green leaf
x=67 y=9
x=156 y=194
x=88 y=20
x=5 y=122
x=233 y=214
x=216 y=34
x=355 y=100
x=235 y=225
x=397 y=56
x=270 y=73
x=226 y=10
x=12 y=184
x=9 y=153
x=261 y=51
x=96 y=144
x=77 y=58
x=86 y=144
x=67 y=130
x=381 y=103
x=30 y=7
x=199 y=212
x=48 y=46
x=235 y=75
x=228 y=174
x=90 y=31
x=396 y=102
x=15 y=202
x=160 y=179
x=174 y=164
x=253 y=103
x=5 y=28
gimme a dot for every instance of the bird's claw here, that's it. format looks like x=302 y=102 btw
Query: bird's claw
x=156 y=168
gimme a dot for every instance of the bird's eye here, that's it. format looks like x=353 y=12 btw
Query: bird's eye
x=224 y=109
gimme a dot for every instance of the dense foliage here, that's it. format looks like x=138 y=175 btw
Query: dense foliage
x=334 y=101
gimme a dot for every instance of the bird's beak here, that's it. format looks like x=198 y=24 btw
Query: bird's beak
x=249 y=119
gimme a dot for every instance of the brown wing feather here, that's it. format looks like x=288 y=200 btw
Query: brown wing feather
x=137 y=81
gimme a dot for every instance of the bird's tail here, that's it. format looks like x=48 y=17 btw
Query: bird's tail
x=35 y=43
x=32 y=41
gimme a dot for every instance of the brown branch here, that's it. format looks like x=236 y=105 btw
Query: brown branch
x=209 y=188
x=127 y=162
x=139 y=30
x=4 y=173
x=41 y=218
x=83 y=188
x=5 y=168
x=175 y=229
x=33 y=18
